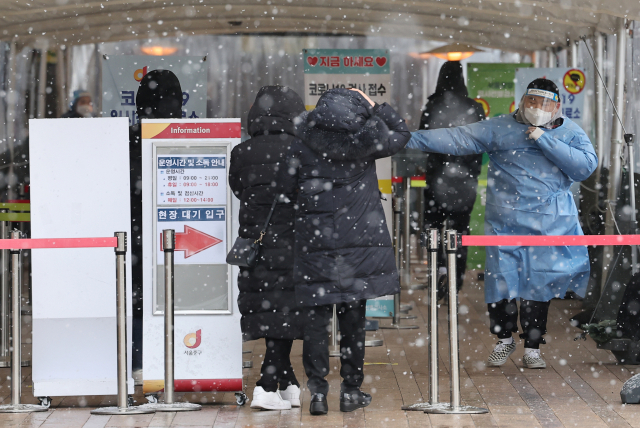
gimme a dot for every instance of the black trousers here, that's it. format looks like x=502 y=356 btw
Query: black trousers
x=315 y=352
x=503 y=317
x=434 y=218
x=276 y=367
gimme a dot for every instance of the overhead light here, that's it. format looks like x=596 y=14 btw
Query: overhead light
x=158 y=50
x=452 y=52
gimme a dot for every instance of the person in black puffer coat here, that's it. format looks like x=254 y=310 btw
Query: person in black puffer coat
x=267 y=294
x=159 y=96
x=452 y=181
x=343 y=251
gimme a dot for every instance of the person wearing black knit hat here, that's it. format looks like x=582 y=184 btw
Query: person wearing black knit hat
x=535 y=155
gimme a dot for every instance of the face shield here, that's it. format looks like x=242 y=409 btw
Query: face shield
x=540 y=107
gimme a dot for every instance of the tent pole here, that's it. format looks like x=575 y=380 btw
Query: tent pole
x=616 y=145
x=12 y=95
x=600 y=114
x=574 y=54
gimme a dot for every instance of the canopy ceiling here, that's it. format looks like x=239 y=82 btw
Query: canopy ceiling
x=518 y=25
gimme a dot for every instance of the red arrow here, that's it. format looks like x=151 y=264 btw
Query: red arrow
x=192 y=241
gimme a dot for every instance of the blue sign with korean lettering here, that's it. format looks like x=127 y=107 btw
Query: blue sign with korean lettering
x=191 y=162
x=191 y=214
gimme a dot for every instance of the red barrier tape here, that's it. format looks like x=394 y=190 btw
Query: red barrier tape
x=25 y=244
x=542 y=241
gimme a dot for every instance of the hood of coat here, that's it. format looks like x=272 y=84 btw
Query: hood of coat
x=274 y=111
x=159 y=96
x=451 y=79
x=342 y=126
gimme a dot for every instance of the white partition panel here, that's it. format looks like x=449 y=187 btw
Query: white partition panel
x=79 y=188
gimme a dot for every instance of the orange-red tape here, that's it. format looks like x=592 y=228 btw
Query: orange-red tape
x=25 y=244
x=540 y=241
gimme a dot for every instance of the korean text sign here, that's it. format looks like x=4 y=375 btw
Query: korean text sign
x=364 y=69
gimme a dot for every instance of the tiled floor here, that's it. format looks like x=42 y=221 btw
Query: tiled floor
x=579 y=388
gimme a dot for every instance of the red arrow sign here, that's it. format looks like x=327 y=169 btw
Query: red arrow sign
x=192 y=241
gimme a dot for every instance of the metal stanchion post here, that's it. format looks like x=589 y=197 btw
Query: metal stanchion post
x=407 y=245
x=123 y=407
x=397 y=217
x=169 y=245
x=334 y=347
x=16 y=339
x=451 y=242
x=5 y=306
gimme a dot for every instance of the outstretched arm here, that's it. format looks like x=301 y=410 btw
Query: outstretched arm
x=461 y=140
x=576 y=158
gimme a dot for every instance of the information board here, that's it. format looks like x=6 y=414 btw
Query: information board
x=185 y=189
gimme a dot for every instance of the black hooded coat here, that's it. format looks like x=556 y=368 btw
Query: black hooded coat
x=343 y=250
x=266 y=293
x=451 y=180
x=159 y=97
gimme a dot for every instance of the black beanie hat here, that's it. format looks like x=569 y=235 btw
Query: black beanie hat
x=545 y=85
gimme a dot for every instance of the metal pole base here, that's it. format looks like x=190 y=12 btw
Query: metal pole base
x=373 y=343
x=405 y=307
x=247 y=364
x=416 y=287
x=23 y=408
x=424 y=407
x=447 y=409
x=334 y=352
x=173 y=407
x=246 y=352
x=121 y=411
x=407 y=317
x=24 y=363
x=398 y=327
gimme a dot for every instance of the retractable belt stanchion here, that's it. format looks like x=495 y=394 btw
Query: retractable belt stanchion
x=395 y=322
x=334 y=347
x=432 y=327
x=451 y=242
x=5 y=306
x=123 y=407
x=169 y=245
x=16 y=335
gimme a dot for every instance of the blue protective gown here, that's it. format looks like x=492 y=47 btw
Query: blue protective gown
x=527 y=194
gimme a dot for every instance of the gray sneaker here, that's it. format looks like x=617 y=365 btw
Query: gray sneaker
x=500 y=354
x=533 y=360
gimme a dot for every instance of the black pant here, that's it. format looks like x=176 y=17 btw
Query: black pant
x=503 y=316
x=315 y=352
x=276 y=367
x=434 y=218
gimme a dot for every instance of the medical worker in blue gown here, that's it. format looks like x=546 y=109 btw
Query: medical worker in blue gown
x=535 y=155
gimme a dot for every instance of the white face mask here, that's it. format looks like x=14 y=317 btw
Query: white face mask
x=538 y=117
x=85 y=110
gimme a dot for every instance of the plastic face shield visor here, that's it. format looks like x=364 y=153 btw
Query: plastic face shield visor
x=540 y=99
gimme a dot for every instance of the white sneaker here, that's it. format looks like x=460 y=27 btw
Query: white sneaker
x=268 y=400
x=533 y=360
x=501 y=353
x=292 y=395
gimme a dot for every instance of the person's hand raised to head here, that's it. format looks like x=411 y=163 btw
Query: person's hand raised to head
x=364 y=95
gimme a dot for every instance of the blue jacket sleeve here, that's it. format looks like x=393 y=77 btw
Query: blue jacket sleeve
x=576 y=158
x=461 y=140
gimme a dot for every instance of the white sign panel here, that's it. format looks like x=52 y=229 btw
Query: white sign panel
x=208 y=340
x=192 y=179
x=121 y=76
x=79 y=189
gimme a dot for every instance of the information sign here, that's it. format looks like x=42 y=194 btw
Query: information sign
x=191 y=179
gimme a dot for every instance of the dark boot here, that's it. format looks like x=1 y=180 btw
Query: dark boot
x=319 y=404
x=352 y=401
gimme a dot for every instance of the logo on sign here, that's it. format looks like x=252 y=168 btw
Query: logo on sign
x=485 y=106
x=574 y=81
x=140 y=73
x=193 y=340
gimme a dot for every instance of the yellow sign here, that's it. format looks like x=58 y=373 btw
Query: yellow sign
x=574 y=81
x=485 y=106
